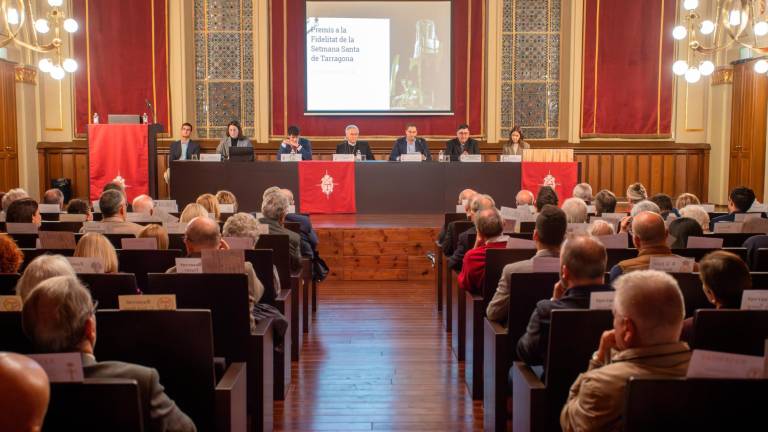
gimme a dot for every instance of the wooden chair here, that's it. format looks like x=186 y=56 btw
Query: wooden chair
x=457 y=297
x=72 y=227
x=696 y=404
x=439 y=274
x=731 y=240
x=106 y=287
x=143 y=262
x=12 y=337
x=8 y=283
x=573 y=337
x=731 y=330
x=226 y=296
x=176 y=241
x=179 y=344
x=761 y=260
x=25 y=241
x=115 y=239
x=451 y=308
x=112 y=404
x=527 y=227
x=31 y=254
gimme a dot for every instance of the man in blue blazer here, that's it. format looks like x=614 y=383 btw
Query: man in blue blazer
x=185 y=148
x=295 y=144
x=410 y=143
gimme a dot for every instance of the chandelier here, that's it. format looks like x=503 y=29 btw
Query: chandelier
x=733 y=23
x=20 y=27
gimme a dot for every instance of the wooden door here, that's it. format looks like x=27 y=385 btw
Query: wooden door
x=9 y=156
x=748 y=128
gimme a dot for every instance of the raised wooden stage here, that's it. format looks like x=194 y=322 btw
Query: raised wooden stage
x=378 y=247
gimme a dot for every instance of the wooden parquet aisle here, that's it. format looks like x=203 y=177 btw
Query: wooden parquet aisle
x=377 y=358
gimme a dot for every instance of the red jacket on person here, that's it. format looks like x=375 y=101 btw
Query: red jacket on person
x=472 y=276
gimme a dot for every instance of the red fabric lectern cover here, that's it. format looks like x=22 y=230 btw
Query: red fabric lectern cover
x=561 y=176
x=327 y=187
x=118 y=151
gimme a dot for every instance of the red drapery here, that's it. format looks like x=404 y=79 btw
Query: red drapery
x=122 y=51
x=561 y=176
x=327 y=187
x=118 y=150
x=287 y=46
x=627 y=68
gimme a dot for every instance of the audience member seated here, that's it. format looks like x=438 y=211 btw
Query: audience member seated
x=446 y=242
x=601 y=228
x=208 y=201
x=2 y=194
x=78 y=206
x=524 y=197
x=59 y=317
x=11 y=196
x=157 y=232
x=637 y=208
x=664 y=202
x=739 y=201
x=686 y=199
x=635 y=193
x=25 y=394
x=308 y=235
x=697 y=213
x=648 y=315
x=227 y=197
x=682 y=228
x=605 y=202
x=650 y=238
x=95 y=245
x=724 y=277
x=548 y=235
x=42 y=268
x=583 y=191
x=546 y=195
x=192 y=211
x=114 y=210
x=11 y=257
x=582 y=262
x=24 y=210
x=753 y=244
x=54 y=196
x=146 y=205
x=575 y=210
x=479 y=202
x=274 y=207
x=490 y=235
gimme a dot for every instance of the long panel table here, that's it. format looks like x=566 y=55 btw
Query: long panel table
x=380 y=187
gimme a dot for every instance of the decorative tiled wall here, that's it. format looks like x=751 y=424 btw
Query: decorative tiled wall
x=223 y=66
x=530 y=67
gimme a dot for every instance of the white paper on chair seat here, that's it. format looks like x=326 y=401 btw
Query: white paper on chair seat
x=601 y=300
x=142 y=217
x=49 y=208
x=614 y=241
x=511 y=158
x=518 y=243
x=168 y=205
x=546 y=265
x=66 y=217
x=161 y=302
x=86 y=264
x=728 y=227
x=144 y=243
x=291 y=209
x=525 y=207
x=617 y=216
x=754 y=300
x=672 y=264
x=175 y=227
x=56 y=240
x=95 y=205
x=709 y=208
x=743 y=217
x=189 y=265
x=410 y=157
x=227 y=208
x=758 y=207
x=96 y=227
x=21 y=228
x=460 y=208
x=223 y=261
x=10 y=303
x=591 y=209
x=755 y=226
x=337 y=157
x=210 y=157
x=577 y=228
x=713 y=364
x=695 y=242
x=240 y=242
x=471 y=158
x=61 y=367
x=509 y=225
x=290 y=157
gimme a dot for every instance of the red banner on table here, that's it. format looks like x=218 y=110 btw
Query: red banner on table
x=561 y=176
x=327 y=187
x=118 y=151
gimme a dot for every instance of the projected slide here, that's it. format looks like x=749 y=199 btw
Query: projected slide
x=378 y=57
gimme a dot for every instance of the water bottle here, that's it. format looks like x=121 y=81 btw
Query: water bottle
x=441 y=156
x=145 y=118
x=95 y=118
x=358 y=156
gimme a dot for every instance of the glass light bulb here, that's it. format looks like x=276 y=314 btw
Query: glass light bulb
x=690 y=4
x=680 y=67
x=707 y=27
x=58 y=73
x=55 y=3
x=70 y=65
x=13 y=16
x=692 y=75
x=706 y=68
x=70 y=25
x=734 y=17
x=679 y=32
x=761 y=28
x=761 y=66
x=41 y=26
x=45 y=65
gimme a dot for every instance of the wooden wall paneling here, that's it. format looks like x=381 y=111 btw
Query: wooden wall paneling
x=631 y=172
x=81 y=179
x=667 y=176
x=681 y=174
x=9 y=156
x=643 y=171
x=43 y=172
x=606 y=166
x=617 y=178
x=593 y=172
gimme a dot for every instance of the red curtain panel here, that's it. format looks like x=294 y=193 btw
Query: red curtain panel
x=118 y=151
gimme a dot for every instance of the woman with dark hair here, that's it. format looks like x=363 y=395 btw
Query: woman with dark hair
x=234 y=138
x=516 y=143
x=683 y=228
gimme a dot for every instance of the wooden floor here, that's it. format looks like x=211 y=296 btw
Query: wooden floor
x=377 y=358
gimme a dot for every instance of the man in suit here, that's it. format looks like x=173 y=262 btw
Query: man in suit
x=478 y=203
x=58 y=316
x=274 y=208
x=308 y=235
x=114 y=213
x=185 y=148
x=462 y=144
x=739 y=201
x=295 y=144
x=410 y=143
x=25 y=393
x=351 y=145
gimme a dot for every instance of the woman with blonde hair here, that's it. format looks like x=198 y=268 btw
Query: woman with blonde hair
x=42 y=268
x=95 y=245
x=211 y=205
x=192 y=211
x=157 y=232
x=686 y=199
x=227 y=197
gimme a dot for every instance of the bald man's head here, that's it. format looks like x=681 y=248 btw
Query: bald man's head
x=202 y=233
x=466 y=194
x=524 y=197
x=649 y=228
x=584 y=257
x=25 y=393
x=143 y=204
x=288 y=193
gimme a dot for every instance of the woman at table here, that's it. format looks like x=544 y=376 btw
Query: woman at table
x=234 y=138
x=516 y=143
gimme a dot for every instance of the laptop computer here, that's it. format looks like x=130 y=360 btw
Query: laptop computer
x=241 y=154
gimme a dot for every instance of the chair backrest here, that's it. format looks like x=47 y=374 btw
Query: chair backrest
x=112 y=404
x=458 y=228
x=731 y=330
x=761 y=260
x=495 y=260
x=115 y=239
x=693 y=295
x=106 y=287
x=32 y=253
x=25 y=240
x=731 y=239
x=661 y=403
x=8 y=283
x=176 y=241
x=698 y=253
x=527 y=227
x=143 y=262
x=615 y=256
x=525 y=290
x=280 y=255
x=451 y=217
x=759 y=280
x=293 y=226
x=261 y=260
x=179 y=344
x=72 y=227
x=12 y=337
